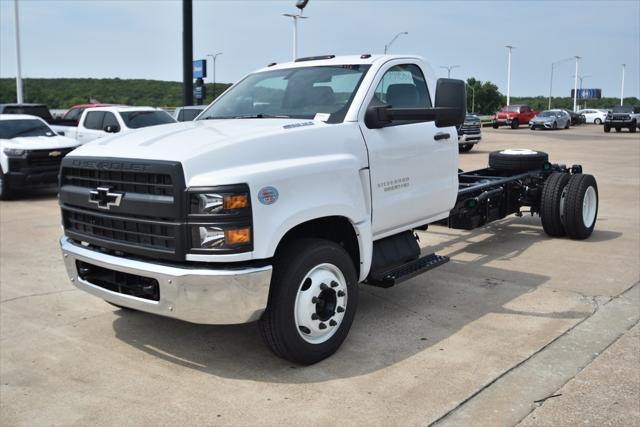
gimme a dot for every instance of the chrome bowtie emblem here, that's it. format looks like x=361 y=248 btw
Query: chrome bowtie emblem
x=55 y=153
x=104 y=198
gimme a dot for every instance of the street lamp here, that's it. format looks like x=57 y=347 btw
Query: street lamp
x=449 y=68
x=575 y=85
x=213 y=58
x=622 y=86
x=388 y=45
x=553 y=65
x=509 y=74
x=473 y=97
x=19 y=98
x=300 y=4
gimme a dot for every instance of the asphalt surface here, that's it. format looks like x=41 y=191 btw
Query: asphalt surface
x=434 y=349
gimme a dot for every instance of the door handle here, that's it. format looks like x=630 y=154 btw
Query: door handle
x=441 y=136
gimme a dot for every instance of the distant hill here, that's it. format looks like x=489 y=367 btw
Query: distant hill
x=63 y=93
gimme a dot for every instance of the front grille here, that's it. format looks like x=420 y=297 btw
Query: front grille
x=117 y=281
x=621 y=117
x=156 y=184
x=141 y=233
x=148 y=221
x=39 y=160
x=470 y=128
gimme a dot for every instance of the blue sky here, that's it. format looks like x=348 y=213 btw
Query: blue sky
x=142 y=39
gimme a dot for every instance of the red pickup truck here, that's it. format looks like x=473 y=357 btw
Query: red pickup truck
x=514 y=116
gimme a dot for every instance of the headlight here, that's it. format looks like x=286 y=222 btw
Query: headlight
x=220 y=219
x=14 y=152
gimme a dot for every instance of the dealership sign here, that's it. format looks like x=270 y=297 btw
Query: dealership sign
x=199 y=68
x=588 y=93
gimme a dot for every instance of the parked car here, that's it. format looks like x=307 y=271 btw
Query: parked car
x=593 y=115
x=551 y=119
x=72 y=116
x=38 y=110
x=623 y=116
x=101 y=121
x=514 y=116
x=576 y=119
x=272 y=211
x=469 y=133
x=30 y=153
x=188 y=113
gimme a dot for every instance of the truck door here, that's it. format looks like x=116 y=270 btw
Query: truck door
x=90 y=126
x=413 y=166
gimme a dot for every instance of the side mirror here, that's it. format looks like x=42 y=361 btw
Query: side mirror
x=377 y=117
x=451 y=97
x=112 y=128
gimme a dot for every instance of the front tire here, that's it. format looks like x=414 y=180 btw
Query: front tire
x=312 y=301
x=555 y=125
x=515 y=124
x=607 y=128
x=5 y=190
x=581 y=206
x=632 y=129
x=465 y=148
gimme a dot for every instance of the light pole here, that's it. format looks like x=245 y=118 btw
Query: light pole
x=19 y=98
x=509 y=74
x=213 y=63
x=473 y=97
x=449 y=68
x=388 y=45
x=553 y=65
x=575 y=85
x=300 y=4
x=622 y=86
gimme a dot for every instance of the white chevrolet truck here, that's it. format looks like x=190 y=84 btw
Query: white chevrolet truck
x=300 y=182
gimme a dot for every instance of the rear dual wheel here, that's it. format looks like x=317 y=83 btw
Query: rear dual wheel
x=569 y=205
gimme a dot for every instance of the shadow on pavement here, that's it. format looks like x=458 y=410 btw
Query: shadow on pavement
x=33 y=194
x=391 y=324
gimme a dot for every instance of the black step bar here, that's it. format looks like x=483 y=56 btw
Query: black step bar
x=393 y=276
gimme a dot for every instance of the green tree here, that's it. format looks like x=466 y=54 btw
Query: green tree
x=487 y=97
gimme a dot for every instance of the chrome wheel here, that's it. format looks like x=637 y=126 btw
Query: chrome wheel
x=589 y=207
x=321 y=303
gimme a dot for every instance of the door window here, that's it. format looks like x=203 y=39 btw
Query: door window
x=109 y=120
x=94 y=120
x=402 y=86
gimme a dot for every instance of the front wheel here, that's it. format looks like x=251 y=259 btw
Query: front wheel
x=555 y=125
x=632 y=129
x=607 y=128
x=312 y=301
x=5 y=191
x=465 y=148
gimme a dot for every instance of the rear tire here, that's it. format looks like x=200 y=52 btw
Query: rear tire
x=517 y=160
x=306 y=320
x=597 y=121
x=515 y=124
x=465 y=148
x=551 y=203
x=566 y=126
x=581 y=206
x=495 y=126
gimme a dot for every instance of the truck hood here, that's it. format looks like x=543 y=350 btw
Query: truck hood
x=230 y=149
x=39 y=142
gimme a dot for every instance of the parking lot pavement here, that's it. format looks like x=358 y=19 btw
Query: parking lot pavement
x=415 y=353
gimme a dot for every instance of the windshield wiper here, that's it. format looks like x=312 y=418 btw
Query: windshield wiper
x=261 y=116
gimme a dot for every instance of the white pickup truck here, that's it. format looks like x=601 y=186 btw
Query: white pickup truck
x=301 y=181
x=98 y=122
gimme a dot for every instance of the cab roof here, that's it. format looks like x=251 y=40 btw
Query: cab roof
x=19 y=117
x=364 y=59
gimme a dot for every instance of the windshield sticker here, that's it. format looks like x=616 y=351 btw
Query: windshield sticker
x=323 y=117
x=297 y=125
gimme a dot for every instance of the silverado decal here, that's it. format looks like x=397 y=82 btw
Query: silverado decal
x=394 y=184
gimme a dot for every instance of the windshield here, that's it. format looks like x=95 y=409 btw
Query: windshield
x=548 y=114
x=295 y=92
x=30 y=127
x=32 y=110
x=141 y=119
x=510 y=109
x=623 y=109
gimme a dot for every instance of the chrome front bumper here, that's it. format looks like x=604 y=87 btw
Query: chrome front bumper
x=217 y=297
